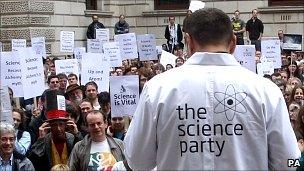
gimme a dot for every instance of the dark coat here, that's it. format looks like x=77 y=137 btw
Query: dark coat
x=91 y=29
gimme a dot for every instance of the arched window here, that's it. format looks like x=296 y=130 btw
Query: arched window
x=171 y=4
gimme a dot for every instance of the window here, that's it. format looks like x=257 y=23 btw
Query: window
x=91 y=4
x=285 y=2
x=171 y=4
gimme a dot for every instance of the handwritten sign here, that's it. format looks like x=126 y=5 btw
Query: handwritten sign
x=102 y=35
x=146 y=47
x=265 y=67
x=11 y=72
x=271 y=50
x=112 y=53
x=167 y=58
x=67 y=66
x=66 y=41
x=32 y=73
x=128 y=45
x=38 y=44
x=5 y=105
x=95 y=68
x=94 y=46
x=18 y=43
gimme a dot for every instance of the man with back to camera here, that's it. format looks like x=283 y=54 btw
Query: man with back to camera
x=212 y=114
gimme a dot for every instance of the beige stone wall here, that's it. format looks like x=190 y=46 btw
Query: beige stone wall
x=29 y=18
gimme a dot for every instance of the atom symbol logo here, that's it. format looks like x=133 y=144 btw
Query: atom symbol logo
x=230 y=102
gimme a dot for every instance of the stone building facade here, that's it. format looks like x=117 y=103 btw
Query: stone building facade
x=32 y=18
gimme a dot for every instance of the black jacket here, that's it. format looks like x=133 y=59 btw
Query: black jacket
x=91 y=29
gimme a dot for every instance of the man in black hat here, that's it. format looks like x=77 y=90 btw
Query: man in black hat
x=55 y=143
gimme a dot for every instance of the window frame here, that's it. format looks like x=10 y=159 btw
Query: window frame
x=176 y=6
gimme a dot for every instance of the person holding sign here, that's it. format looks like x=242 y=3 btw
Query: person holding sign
x=91 y=34
x=121 y=27
x=212 y=113
x=173 y=34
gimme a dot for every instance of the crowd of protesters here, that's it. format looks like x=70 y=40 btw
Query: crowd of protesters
x=75 y=139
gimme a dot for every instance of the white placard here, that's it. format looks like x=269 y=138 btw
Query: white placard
x=102 y=35
x=146 y=47
x=11 y=72
x=78 y=53
x=5 y=106
x=128 y=45
x=270 y=48
x=18 y=43
x=32 y=73
x=66 y=41
x=292 y=42
x=95 y=68
x=112 y=53
x=67 y=66
x=61 y=102
x=38 y=44
x=196 y=5
x=1 y=47
x=167 y=58
x=124 y=92
x=94 y=46
x=265 y=67
x=245 y=55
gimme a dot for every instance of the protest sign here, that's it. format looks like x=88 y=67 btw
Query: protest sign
x=167 y=58
x=5 y=106
x=66 y=41
x=146 y=47
x=38 y=44
x=196 y=5
x=245 y=55
x=18 y=43
x=1 y=47
x=95 y=68
x=124 y=92
x=78 y=53
x=67 y=66
x=32 y=73
x=102 y=35
x=128 y=45
x=265 y=66
x=11 y=72
x=292 y=42
x=112 y=53
x=271 y=50
x=94 y=46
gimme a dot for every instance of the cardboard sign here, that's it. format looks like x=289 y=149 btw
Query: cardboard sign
x=112 y=53
x=66 y=41
x=146 y=47
x=124 y=92
x=67 y=66
x=102 y=35
x=94 y=46
x=95 y=68
x=271 y=50
x=32 y=73
x=11 y=72
x=128 y=45
x=78 y=52
x=245 y=55
x=38 y=44
x=5 y=106
x=18 y=43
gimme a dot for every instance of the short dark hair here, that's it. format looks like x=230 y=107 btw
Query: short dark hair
x=209 y=26
x=104 y=98
x=73 y=75
x=51 y=77
x=91 y=83
x=62 y=75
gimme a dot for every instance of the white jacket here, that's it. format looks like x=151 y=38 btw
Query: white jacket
x=240 y=120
